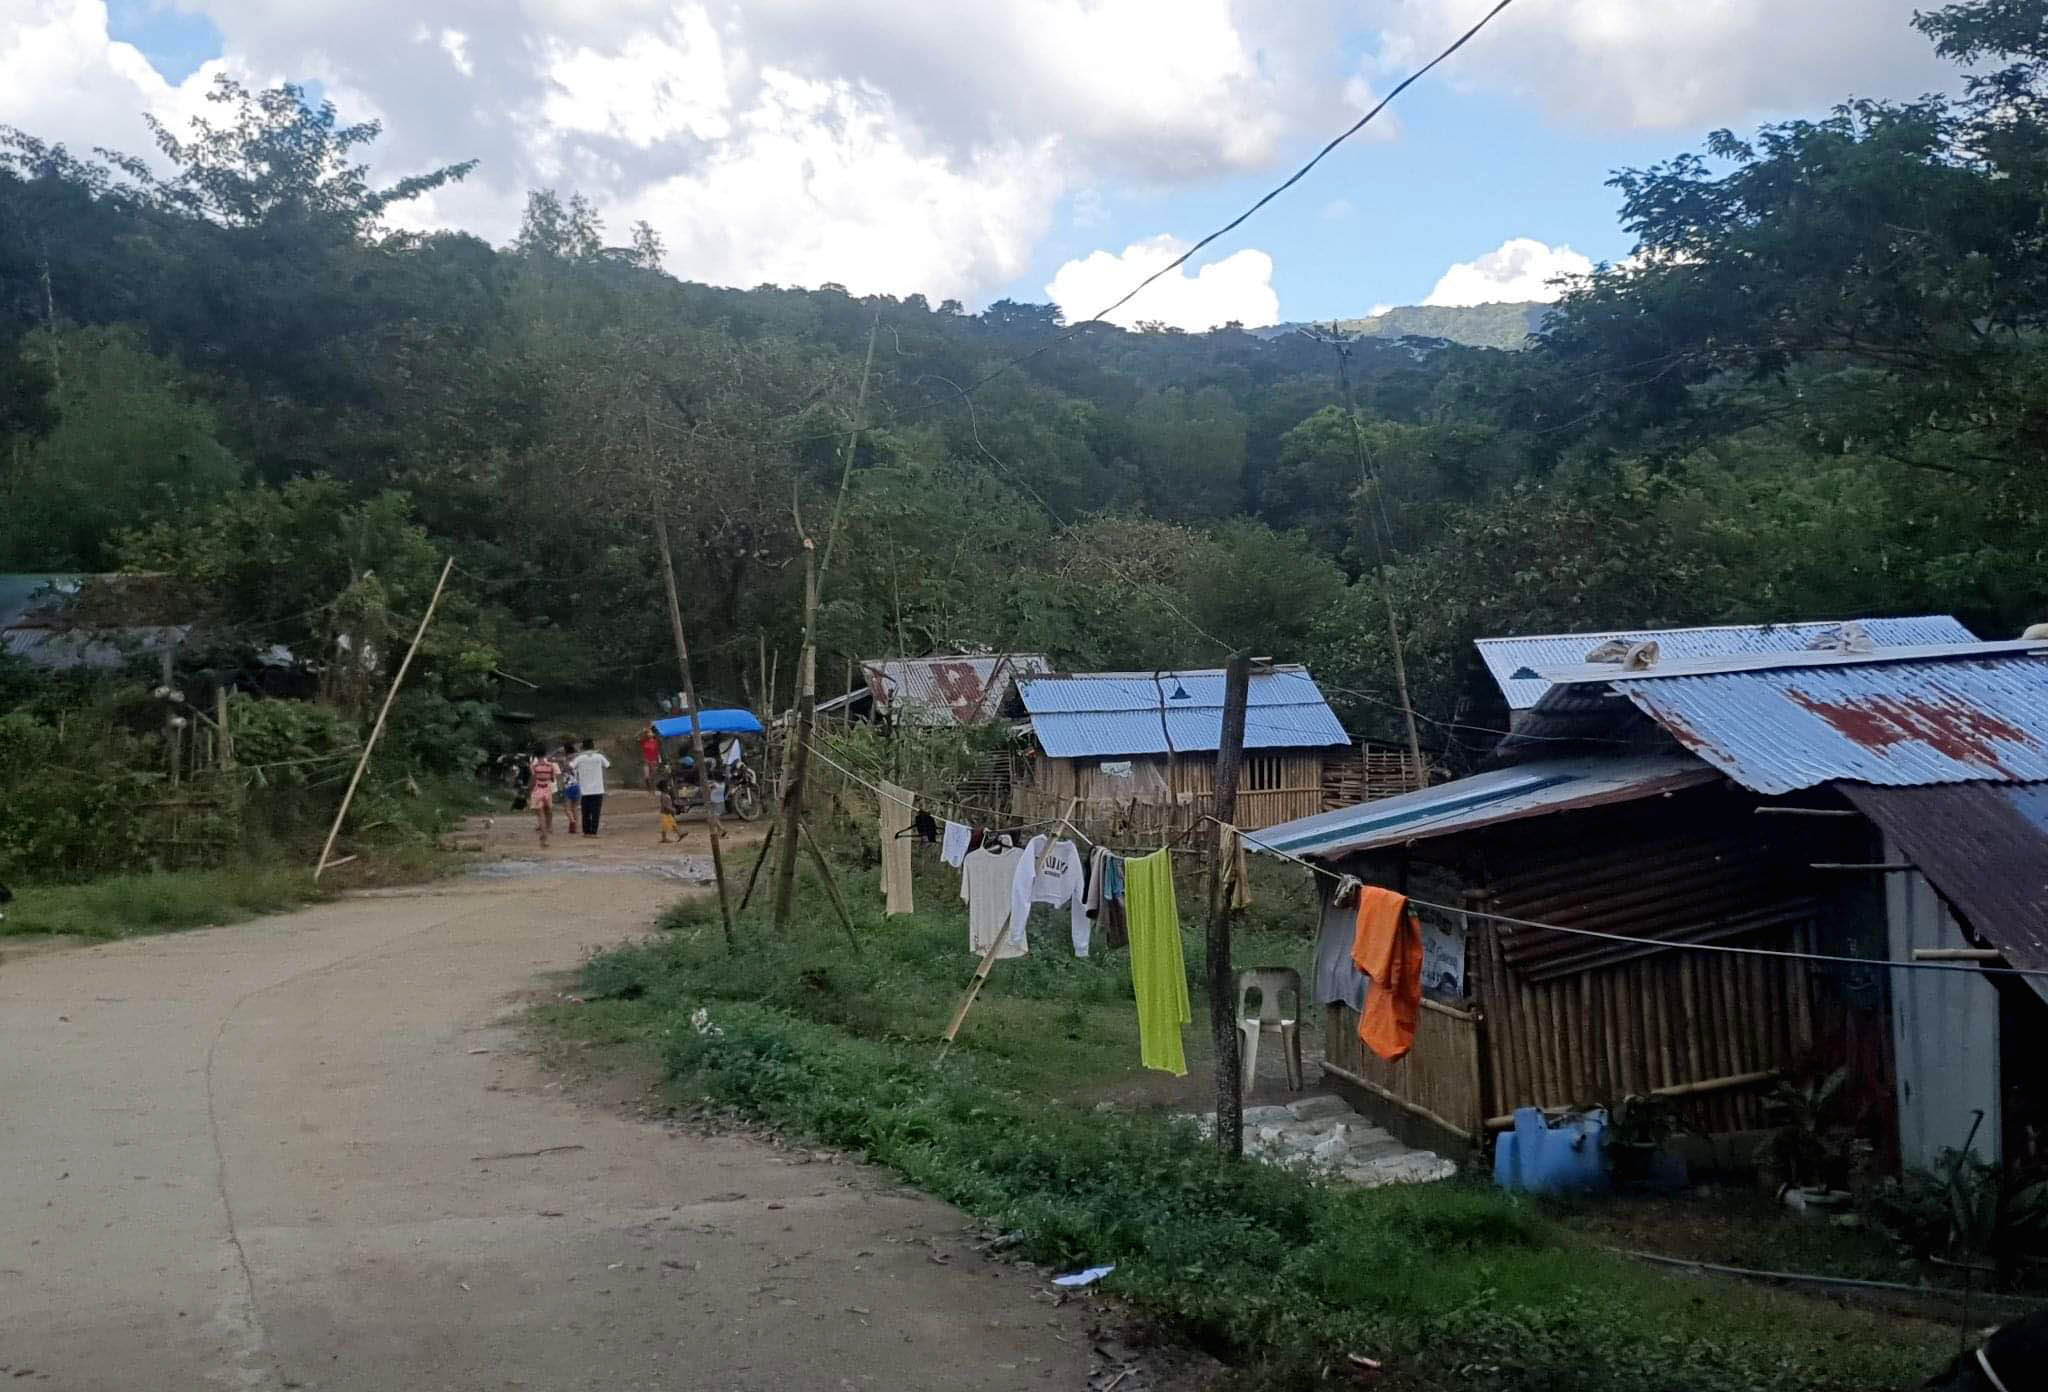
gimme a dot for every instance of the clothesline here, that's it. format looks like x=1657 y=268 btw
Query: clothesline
x=1252 y=840
x=999 y=819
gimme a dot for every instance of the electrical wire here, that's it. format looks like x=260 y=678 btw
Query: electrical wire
x=1252 y=840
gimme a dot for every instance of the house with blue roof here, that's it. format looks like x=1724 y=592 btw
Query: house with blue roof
x=1138 y=749
x=1689 y=873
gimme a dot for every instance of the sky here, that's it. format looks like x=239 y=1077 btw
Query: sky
x=1041 y=150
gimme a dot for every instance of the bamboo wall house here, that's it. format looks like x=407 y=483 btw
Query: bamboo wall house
x=1138 y=749
x=1864 y=802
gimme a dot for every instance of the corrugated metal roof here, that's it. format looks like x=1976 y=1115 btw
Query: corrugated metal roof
x=64 y=648
x=1112 y=714
x=964 y=689
x=20 y=594
x=1985 y=847
x=1517 y=663
x=1895 y=724
x=1537 y=788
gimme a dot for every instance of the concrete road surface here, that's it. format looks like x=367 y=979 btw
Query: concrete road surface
x=309 y=1151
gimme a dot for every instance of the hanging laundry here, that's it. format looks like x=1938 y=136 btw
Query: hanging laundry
x=986 y=877
x=1346 y=890
x=1388 y=948
x=1060 y=881
x=1338 y=979
x=955 y=844
x=897 y=806
x=1159 y=973
x=1237 y=884
x=925 y=828
x=1114 y=919
x=1020 y=891
x=976 y=837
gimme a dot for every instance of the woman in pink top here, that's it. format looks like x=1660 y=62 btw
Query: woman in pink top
x=542 y=798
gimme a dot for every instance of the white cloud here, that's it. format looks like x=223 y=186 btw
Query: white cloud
x=890 y=145
x=1675 y=63
x=1239 y=287
x=1521 y=268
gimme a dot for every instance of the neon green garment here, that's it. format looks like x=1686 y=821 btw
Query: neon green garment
x=1159 y=972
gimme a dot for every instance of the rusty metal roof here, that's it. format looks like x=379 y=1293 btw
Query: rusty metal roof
x=1972 y=714
x=1520 y=664
x=963 y=689
x=1984 y=846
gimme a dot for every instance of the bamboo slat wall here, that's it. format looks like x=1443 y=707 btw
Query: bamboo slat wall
x=1274 y=787
x=1441 y=1074
x=1653 y=1022
x=1371 y=772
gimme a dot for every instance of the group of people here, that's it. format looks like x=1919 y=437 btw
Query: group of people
x=575 y=778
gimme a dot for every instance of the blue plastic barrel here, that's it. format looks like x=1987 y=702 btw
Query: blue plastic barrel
x=1539 y=1156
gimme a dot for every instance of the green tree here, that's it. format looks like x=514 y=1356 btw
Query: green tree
x=131 y=444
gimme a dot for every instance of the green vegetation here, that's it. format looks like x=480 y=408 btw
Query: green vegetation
x=1813 y=391
x=120 y=906
x=1454 y=1285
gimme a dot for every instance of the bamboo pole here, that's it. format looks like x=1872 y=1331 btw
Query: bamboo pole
x=824 y=869
x=760 y=860
x=1703 y=1087
x=675 y=622
x=800 y=752
x=1386 y=1094
x=382 y=712
x=220 y=720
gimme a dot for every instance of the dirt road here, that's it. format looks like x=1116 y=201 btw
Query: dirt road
x=312 y=1151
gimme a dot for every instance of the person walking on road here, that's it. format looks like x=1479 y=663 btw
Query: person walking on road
x=589 y=772
x=650 y=756
x=541 y=793
x=572 y=790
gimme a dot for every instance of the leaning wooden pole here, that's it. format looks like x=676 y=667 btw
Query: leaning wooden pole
x=383 y=711
x=675 y=622
x=1222 y=998
x=800 y=754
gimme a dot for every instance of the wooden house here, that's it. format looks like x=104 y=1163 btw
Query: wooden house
x=1852 y=807
x=1138 y=749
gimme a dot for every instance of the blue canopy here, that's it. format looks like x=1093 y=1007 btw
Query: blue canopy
x=711 y=722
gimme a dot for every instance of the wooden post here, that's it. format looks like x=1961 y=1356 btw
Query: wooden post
x=754 y=876
x=767 y=696
x=800 y=754
x=382 y=711
x=675 y=620
x=220 y=720
x=1222 y=1003
x=167 y=679
x=824 y=869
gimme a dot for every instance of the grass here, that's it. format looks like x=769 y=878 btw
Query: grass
x=119 y=906
x=1455 y=1285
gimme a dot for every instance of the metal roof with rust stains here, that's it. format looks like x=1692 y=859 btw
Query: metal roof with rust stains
x=1961 y=714
x=966 y=689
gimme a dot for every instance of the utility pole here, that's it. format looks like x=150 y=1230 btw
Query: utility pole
x=1379 y=558
x=1237 y=683
x=675 y=620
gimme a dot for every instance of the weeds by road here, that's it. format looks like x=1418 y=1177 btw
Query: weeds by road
x=120 y=906
x=1454 y=1285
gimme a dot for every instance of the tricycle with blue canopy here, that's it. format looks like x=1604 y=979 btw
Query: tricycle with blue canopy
x=733 y=779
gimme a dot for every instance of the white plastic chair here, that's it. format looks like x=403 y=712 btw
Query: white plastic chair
x=1272 y=983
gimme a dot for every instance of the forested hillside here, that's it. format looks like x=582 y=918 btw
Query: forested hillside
x=1817 y=391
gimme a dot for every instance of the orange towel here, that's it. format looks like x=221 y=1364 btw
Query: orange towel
x=1388 y=948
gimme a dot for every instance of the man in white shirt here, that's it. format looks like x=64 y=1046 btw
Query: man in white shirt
x=589 y=769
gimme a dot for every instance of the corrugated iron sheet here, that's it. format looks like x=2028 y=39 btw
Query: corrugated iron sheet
x=1894 y=724
x=1517 y=662
x=104 y=648
x=1112 y=714
x=962 y=690
x=1985 y=847
x=1533 y=789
